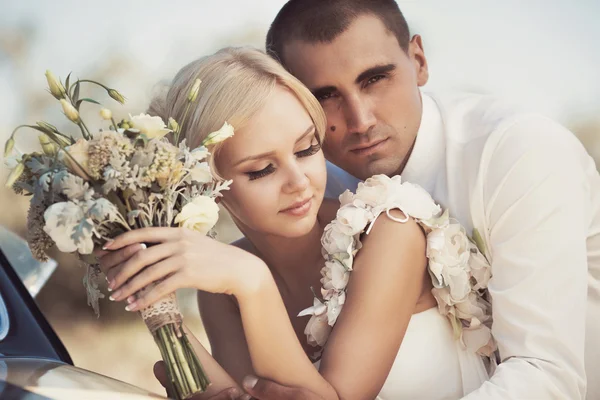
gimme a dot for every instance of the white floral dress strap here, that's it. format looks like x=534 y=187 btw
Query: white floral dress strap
x=459 y=270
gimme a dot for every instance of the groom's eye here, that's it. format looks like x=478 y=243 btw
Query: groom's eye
x=323 y=95
x=269 y=169
x=374 y=79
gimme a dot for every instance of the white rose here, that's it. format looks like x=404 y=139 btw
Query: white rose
x=317 y=330
x=150 y=126
x=338 y=273
x=352 y=220
x=374 y=190
x=334 y=308
x=79 y=152
x=200 y=215
x=449 y=250
x=480 y=268
x=335 y=241
x=413 y=200
x=201 y=173
x=346 y=198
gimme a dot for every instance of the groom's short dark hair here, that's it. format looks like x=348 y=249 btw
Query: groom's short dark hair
x=321 y=21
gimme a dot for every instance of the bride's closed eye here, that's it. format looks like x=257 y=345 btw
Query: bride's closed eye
x=269 y=169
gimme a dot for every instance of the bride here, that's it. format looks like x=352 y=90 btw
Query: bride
x=390 y=341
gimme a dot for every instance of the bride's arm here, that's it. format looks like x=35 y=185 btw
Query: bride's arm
x=382 y=294
x=366 y=339
x=387 y=281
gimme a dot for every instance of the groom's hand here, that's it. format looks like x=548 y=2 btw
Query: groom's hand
x=263 y=389
x=160 y=373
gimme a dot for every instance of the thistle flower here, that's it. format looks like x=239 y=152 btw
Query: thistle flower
x=114 y=93
x=56 y=88
x=106 y=114
x=70 y=111
x=38 y=240
x=193 y=95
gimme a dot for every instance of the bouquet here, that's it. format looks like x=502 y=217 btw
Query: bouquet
x=87 y=190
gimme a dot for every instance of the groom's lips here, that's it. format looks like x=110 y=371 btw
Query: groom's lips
x=369 y=148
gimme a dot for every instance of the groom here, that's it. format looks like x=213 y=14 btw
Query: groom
x=524 y=182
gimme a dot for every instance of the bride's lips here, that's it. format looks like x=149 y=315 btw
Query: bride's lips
x=369 y=148
x=299 y=208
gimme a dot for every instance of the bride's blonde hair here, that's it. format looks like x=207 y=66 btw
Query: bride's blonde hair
x=235 y=85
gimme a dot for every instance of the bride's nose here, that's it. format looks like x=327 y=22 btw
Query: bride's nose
x=296 y=181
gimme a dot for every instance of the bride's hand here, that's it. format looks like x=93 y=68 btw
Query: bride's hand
x=180 y=258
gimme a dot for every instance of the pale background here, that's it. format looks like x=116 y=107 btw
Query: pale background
x=541 y=54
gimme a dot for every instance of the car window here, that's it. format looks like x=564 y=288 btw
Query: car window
x=4 y=321
x=32 y=272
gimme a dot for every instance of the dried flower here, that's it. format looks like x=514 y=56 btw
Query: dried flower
x=114 y=93
x=173 y=125
x=15 y=174
x=9 y=146
x=79 y=155
x=106 y=114
x=70 y=111
x=150 y=126
x=226 y=131
x=49 y=147
x=193 y=95
x=56 y=88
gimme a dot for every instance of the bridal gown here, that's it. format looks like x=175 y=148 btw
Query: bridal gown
x=431 y=365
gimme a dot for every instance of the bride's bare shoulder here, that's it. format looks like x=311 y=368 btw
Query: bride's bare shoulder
x=244 y=244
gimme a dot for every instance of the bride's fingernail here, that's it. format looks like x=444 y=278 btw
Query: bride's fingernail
x=130 y=299
x=143 y=246
x=250 y=381
x=107 y=245
x=131 y=307
x=115 y=295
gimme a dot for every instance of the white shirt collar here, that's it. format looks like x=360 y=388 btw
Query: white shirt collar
x=427 y=156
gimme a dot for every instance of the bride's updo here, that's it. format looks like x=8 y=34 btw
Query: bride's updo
x=235 y=85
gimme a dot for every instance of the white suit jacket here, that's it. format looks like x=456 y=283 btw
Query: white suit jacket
x=530 y=188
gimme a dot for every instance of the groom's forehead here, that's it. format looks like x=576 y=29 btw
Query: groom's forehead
x=364 y=44
x=319 y=65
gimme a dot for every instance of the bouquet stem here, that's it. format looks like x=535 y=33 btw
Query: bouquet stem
x=184 y=371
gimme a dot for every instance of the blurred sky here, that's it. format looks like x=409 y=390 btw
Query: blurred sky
x=543 y=54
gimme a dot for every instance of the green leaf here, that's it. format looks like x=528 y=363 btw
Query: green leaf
x=78 y=104
x=479 y=242
x=76 y=92
x=67 y=82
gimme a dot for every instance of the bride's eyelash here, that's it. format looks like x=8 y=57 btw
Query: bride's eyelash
x=263 y=172
x=313 y=149
x=269 y=169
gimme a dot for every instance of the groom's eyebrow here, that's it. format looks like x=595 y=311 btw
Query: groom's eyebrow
x=310 y=130
x=376 y=70
x=368 y=73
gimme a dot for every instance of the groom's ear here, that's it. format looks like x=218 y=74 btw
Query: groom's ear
x=416 y=53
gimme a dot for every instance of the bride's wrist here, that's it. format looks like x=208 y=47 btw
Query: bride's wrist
x=255 y=280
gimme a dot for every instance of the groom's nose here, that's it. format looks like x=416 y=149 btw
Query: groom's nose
x=359 y=114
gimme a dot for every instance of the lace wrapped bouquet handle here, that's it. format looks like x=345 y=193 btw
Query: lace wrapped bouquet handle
x=90 y=187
